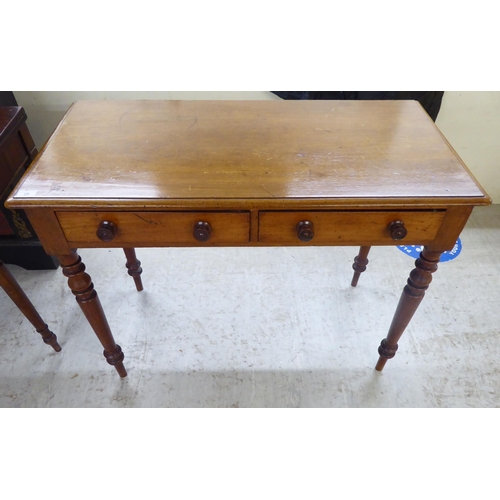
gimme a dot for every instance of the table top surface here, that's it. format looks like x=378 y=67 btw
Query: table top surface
x=383 y=151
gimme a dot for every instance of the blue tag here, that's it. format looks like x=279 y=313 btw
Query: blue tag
x=414 y=251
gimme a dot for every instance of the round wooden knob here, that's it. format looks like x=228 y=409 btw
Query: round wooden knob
x=305 y=230
x=397 y=230
x=201 y=231
x=106 y=230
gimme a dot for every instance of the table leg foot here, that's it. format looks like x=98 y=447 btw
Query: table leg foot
x=50 y=338
x=386 y=352
x=17 y=295
x=413 y=293
x=360 y=263
x=115 y=359
x=82 y=287
x=134 y=267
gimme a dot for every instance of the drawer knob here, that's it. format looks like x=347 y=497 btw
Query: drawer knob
x=397 y=230
x=107 y=230
x=305 y=230
x=201 y=231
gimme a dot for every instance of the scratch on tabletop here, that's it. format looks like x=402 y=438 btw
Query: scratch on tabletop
x=267 y=190
x=121 y=117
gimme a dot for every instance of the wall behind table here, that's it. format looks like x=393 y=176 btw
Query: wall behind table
x=469 y=120
x=471 y=123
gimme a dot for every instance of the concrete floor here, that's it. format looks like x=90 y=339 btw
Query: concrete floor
x=262 y=327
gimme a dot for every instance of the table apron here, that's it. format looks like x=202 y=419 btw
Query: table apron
x=233 y=228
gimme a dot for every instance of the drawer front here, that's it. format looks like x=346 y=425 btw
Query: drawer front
x=349 y=227
x=155 y=228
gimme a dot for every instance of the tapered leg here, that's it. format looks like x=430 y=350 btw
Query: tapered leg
x=360 y=263
x=16 y=293
x=412 y=295
x=134 y=267
x=82 y=287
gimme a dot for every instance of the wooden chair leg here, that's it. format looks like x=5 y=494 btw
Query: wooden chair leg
x=134 y=267
x=16 y=293
x=360 y=263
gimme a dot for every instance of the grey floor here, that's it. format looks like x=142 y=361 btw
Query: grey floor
x=262 y=327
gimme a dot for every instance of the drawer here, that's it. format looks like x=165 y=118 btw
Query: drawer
x=122 y=229
x=349 y=227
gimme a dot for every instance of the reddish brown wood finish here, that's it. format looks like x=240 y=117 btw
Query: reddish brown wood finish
x=16 y=293
x=360 y=173
x=346 y=227
x=134 y=267
x=360 y=263
x=106 y=231
x=202 y=231
x=82 y=287
x=381 y=151
x=413 y=293
x=397 y=230
x=305 y=230
x=123 y=229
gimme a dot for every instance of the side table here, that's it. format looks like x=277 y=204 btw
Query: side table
x=127 y=174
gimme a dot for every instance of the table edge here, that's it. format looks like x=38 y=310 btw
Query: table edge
x=243 y=203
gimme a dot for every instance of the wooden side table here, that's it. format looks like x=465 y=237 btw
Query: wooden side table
x=255 y=173
x=18 y=241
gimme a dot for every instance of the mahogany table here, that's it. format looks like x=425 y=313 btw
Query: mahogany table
x=253 y=173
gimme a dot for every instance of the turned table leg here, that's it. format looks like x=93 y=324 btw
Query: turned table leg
x=412 y=295
x=360 y=263
x=16 y=293
x=134 y=267
x=82 y=287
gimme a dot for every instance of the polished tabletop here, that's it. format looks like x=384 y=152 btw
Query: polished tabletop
x=383 y=152
x=246 y=173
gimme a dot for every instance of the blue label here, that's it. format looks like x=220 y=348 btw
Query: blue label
x=414 y=251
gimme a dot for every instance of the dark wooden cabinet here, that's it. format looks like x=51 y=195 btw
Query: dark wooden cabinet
x=18 y=241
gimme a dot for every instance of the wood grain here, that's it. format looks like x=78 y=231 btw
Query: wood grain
x=349 y=227
x=147 y=173
x=413 y=293
x=171 y=150
x=143 y=229
x=83 y=289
